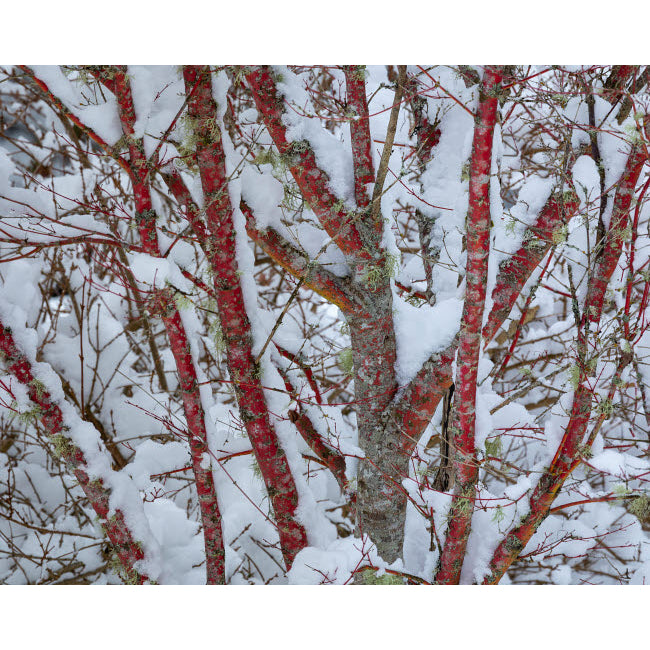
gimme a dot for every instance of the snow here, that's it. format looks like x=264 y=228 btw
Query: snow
x=331 y=155
x=117 y=379
x=422 y=331
x=103 y=119
x=618 y=464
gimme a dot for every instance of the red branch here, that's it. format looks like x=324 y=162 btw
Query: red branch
x=235 y=325
x=611 y=250
x=419 y=401
x=515 y=271
x=333 y=459
x=163 y=301
x=566 y=457
x=128 y=550
x=295 y=358
x=182 y=195
x=64 y=110
x=478 y=249
x=336 y=290
x=312 y=181
x=360 y=134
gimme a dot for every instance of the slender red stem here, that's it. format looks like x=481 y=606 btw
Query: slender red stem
x=163 y=301
x=566 y=457
x=128 y=550
x=515 y=271
x=478 y=249
x=235 y=325
x=360 y=134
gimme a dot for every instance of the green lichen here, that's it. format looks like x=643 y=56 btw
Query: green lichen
x=527 y=371
x=95 y=485
x=182 y=301
x=640 y=507
x=568 y=196
x=634 y=135
x=513 y=544
x=216 y=335
x=257 y=472
x=128 y=575
x=375 y=273
x=606 y=408
x=62 y=446
x=562 y=100
x=621 y=490
x=359 y=72
x=494 y=447
x=191 y=128
x=499 y=515
x=269 y=157
x=240 y=74
x=531 y=242
x=574 y=376
x=625 y=234
x=370 y=577
x=584 y=451
x=31 y=415
x=39 y=387
x=345 y=361
x=391 y=264
x=298 y=147
x=460 y=508
x=372 y=276
x=292 y=199
x=560 y=234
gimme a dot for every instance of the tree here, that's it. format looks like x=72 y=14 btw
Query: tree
x=324 y=324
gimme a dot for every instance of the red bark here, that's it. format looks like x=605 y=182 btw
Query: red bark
x=333 y=459
x=339 y=291
x=64 y=110
x=179 y=344
x=419 y=401
x=312 y=181
x=478 y=249
x=566 y=457
x=128 y=550
x=360 y=134
x=305 y=368
x=611 y=250
x=515 y=271
x=244 y=372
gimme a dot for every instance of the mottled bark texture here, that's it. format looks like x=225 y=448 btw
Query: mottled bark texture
x=568 y=454
x=463 y=418
x=163 y=304
x=381 y=500
x=388 y=425
x=427 y=136
x=364 y=173
x=137 y=167
x=128 y=550
x=517 y=269
x=367 y=305
x=235 y=325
